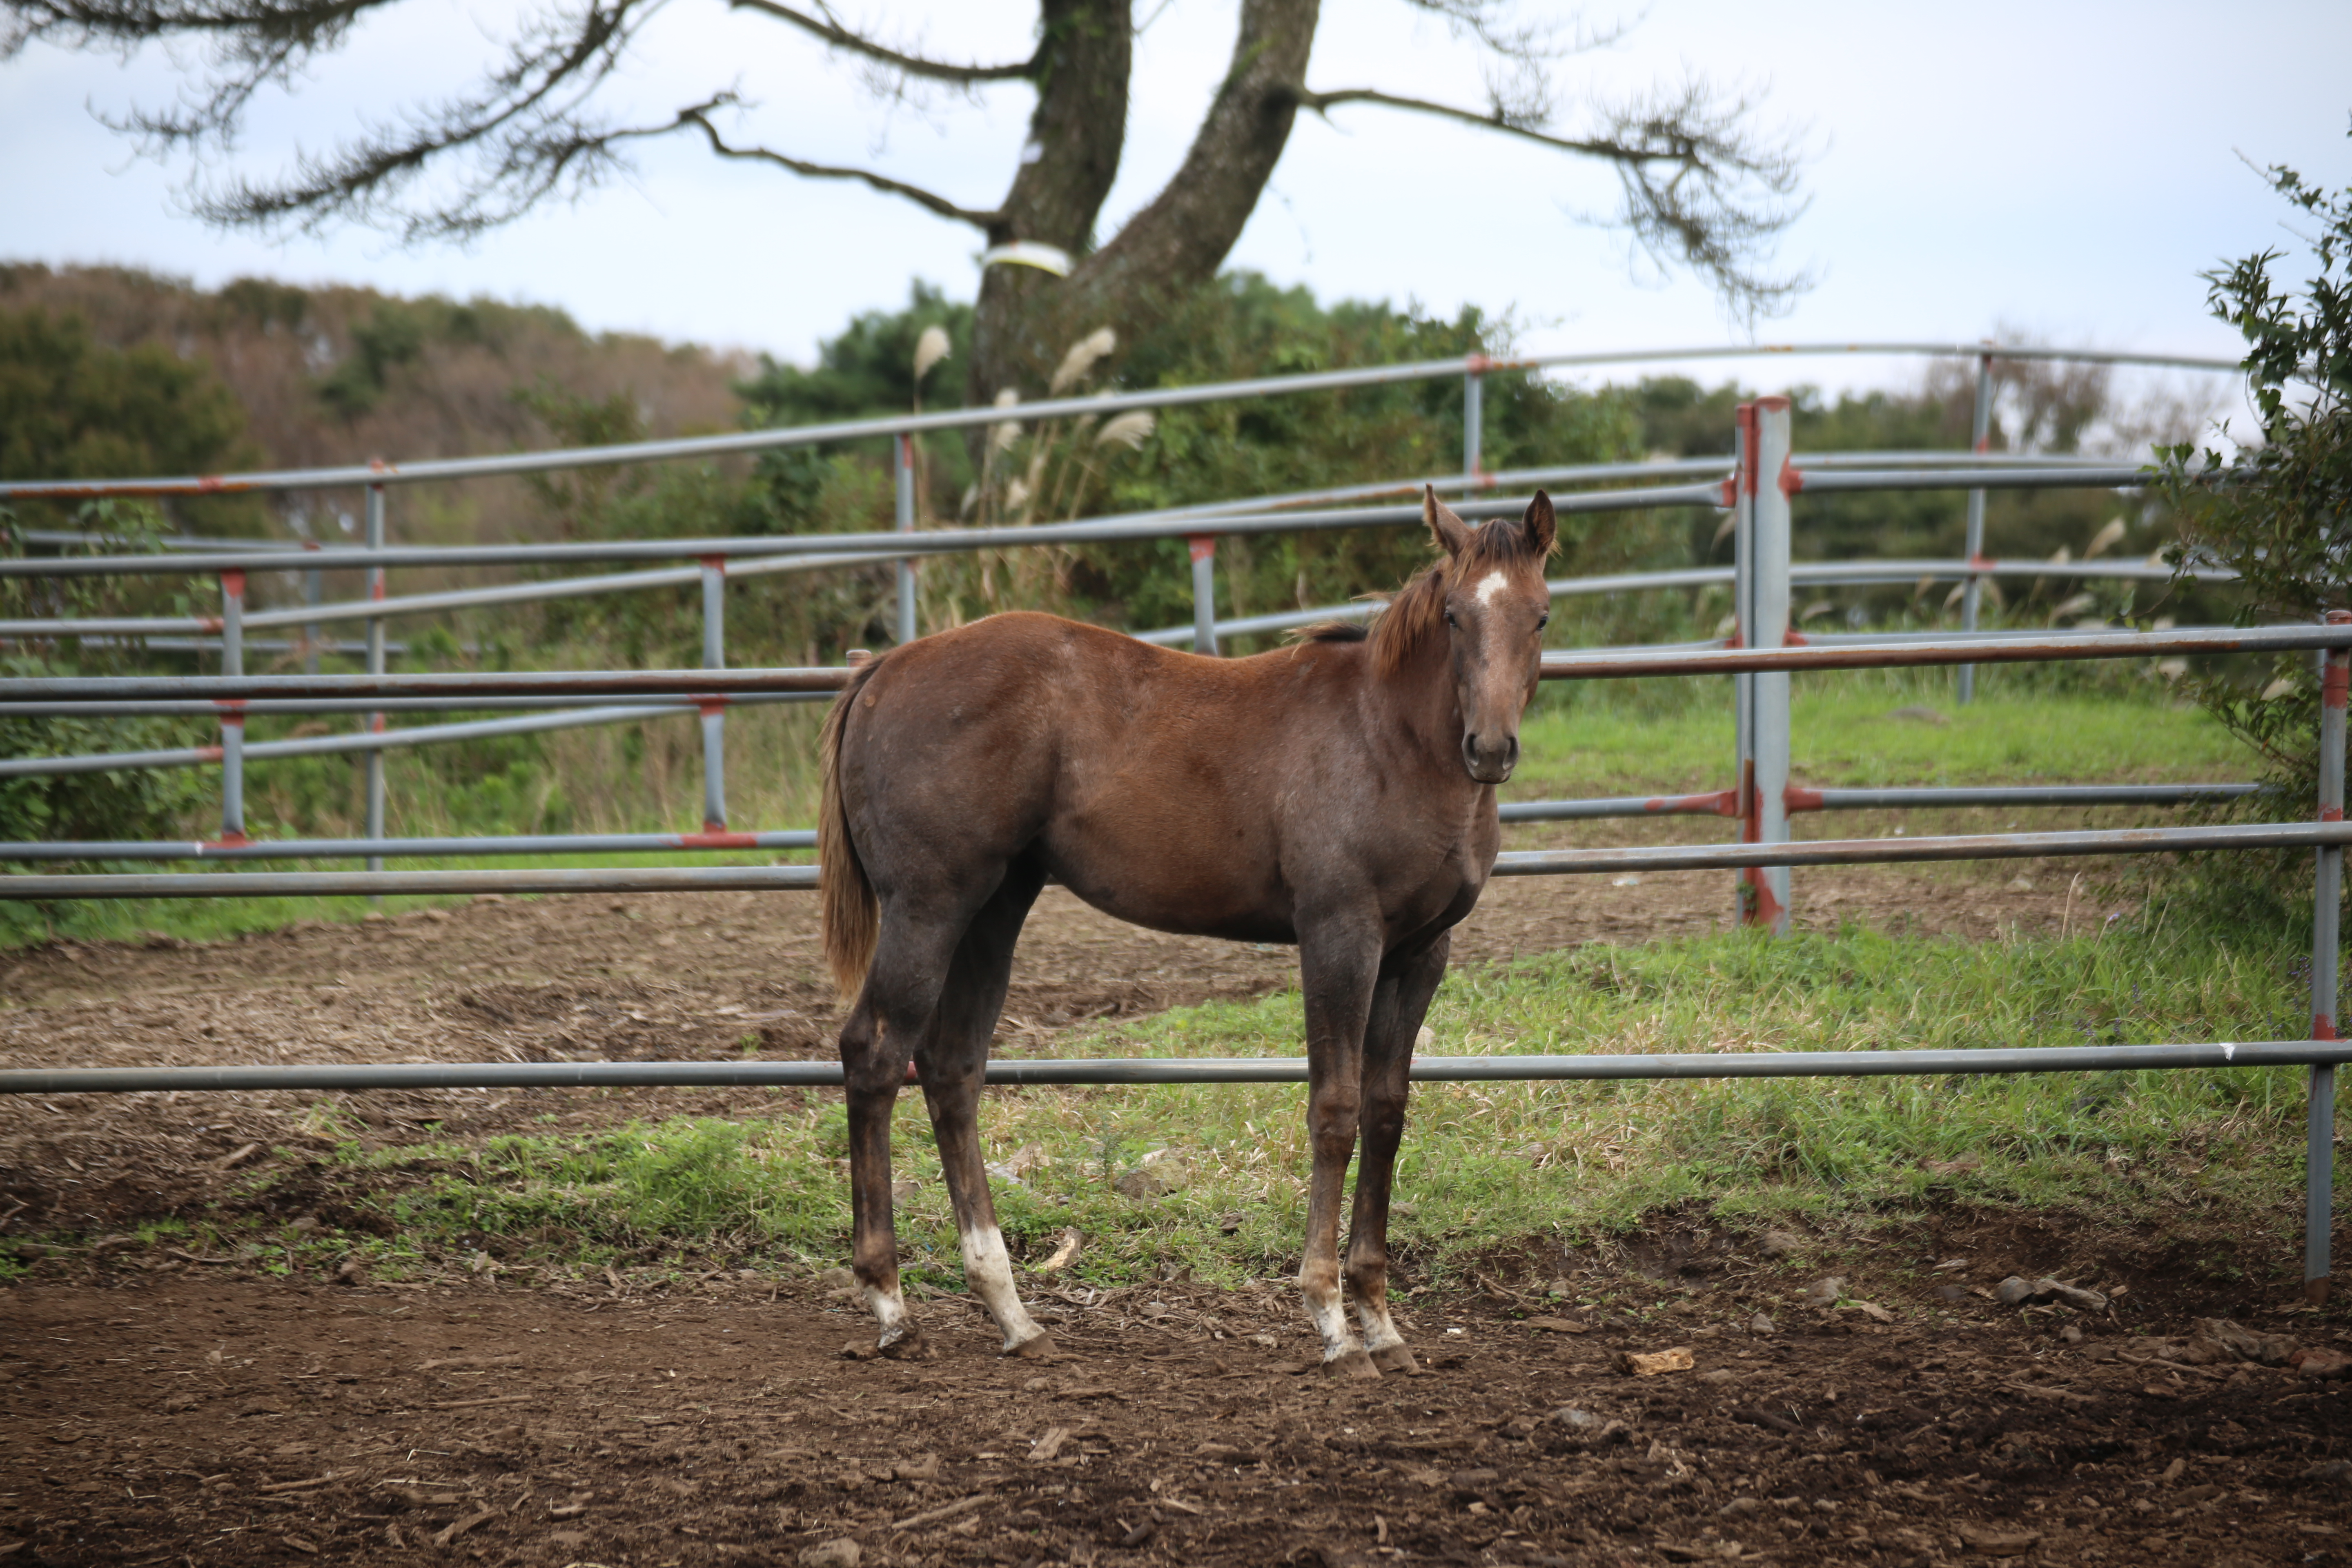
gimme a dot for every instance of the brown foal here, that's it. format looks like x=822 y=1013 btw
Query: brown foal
x=1338 y=794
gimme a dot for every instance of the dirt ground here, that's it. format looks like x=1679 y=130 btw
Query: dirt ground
x=201 y=1420
x=157 y=1408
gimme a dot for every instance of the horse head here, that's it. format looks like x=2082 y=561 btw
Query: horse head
x=1496 y=606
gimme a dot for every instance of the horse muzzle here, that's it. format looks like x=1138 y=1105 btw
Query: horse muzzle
x=1490 y=758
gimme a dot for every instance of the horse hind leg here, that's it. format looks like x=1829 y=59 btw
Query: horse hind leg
x=895 y=1011
x=952 y=1066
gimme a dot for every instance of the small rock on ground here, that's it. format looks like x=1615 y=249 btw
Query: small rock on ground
x=842 y=1553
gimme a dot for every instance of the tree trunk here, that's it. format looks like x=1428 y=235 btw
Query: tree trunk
x=1076 y=135
x=1027 y=319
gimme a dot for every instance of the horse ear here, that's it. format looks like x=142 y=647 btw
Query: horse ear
x=1452 y=534
x=1543 y=528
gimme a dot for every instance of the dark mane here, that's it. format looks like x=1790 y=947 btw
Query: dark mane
x=1333 y=631
x=1418 y=611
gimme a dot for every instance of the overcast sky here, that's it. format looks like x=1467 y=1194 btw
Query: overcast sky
x=2062 y=170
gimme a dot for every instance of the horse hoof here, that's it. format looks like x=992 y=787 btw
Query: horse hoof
x=1353 y=1363
x=1397 y=1359
x=908 y=1345
x=1037 y=1348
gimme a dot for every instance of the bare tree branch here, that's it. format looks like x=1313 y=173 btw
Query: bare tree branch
x=826 y=26
x=526 y=128
x=252 y=43
x=1697 y=183
x=699 y=116
x=1488 y=23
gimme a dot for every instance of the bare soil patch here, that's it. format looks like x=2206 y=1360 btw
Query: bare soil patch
x=157 y=1408
x=146 y=1419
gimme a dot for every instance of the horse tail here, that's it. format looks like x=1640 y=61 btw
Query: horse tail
x=849 y=914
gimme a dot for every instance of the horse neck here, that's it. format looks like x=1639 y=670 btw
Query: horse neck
x=1422 y=702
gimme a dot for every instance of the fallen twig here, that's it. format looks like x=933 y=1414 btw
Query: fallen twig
x=2040 y=1393
x=933 y=1516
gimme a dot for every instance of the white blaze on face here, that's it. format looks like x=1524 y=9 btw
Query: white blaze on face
x=1491 y=584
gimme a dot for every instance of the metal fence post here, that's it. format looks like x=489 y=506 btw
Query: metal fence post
x=1767 y=627
x=1474 y=422
x=906 y=450
x=314 y=591
x=375 y=666
x=2328 y=891
x=1204 y=593
x=714 y=710
x=1743 y=615
x=231 y=718
x=1973 y=591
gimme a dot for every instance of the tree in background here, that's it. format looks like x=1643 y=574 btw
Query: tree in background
x=71 y=405
x=1701 y=185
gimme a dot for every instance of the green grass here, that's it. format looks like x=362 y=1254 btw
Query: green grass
x=1489 y=1165
x=1844 y=733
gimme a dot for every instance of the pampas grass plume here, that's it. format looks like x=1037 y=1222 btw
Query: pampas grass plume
x=1081 y=359
x=1129 y=430
x=929 y=349
x=1002 y=437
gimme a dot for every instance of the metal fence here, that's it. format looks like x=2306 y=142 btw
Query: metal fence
x=1761 y=655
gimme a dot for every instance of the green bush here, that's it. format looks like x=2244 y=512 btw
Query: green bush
x=2281 y=516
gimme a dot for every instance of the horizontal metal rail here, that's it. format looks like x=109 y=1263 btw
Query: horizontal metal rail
x=1054 y=408
x=229 y=884
x=406 y=848
x=1725 y=802
x=1485 y=480
x=1904 y=850
x=1511 y=863
x=1722 y=802
x=1039 y=1071
x=366 y=740
x=197 y=708
x=1119 y=528
x=2034 y=476
x=1559 y=665
x=1602 y=664
x=1815 y=573
x=422 y=604
x=1811 y=572
x=1914 y=798
x=1123 y=528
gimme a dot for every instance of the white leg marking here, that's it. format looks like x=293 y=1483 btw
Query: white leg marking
x=1491 y=584
x=988 y=1271
x=1327 y=1311
x=889 y=1310
x=1380 y=1330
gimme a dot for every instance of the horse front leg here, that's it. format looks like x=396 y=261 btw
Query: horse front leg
x=1338 y=968
x=1400 y=1002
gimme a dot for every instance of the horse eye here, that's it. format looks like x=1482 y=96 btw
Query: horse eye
x=1543 y=620
x=1452 y=622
